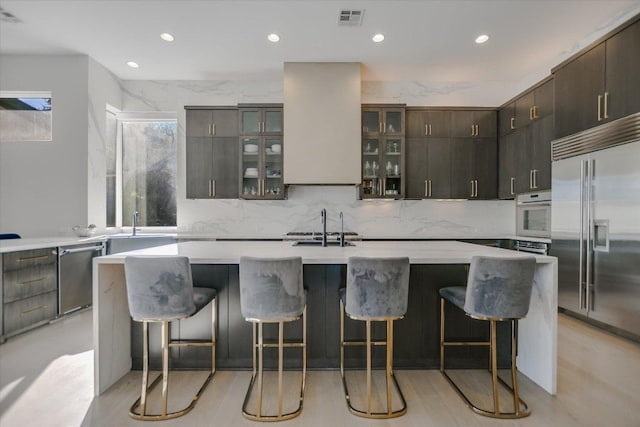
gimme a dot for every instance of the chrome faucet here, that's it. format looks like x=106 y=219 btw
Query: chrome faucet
x=134 y=222
x=323 y=213
x=341 y=229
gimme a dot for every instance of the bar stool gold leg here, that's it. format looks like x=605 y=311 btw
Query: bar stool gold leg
x=493 y=368
x=145 y=367
x=258 y=374
x=389 y=375
x=389 y=364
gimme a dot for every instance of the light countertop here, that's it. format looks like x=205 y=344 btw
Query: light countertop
x=229 y=252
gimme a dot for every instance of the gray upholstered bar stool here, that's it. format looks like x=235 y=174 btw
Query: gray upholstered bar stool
x=271 y=291
x=498 y=289
x=377 y=290
x=160 y=289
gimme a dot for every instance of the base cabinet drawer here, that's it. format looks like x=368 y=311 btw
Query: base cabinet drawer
x=29 y=311
x=26 y=259
x=28 y=282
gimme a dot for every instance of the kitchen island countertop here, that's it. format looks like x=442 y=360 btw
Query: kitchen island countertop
x=537 y=342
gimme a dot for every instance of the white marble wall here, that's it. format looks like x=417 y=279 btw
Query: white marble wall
x=301 y=210
x=370 y=218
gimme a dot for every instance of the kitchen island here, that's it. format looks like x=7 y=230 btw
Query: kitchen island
x=433 y=265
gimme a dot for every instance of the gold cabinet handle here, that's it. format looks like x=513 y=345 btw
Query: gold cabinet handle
x=535 y=112
x=477 y=130
x=599 y=107
x=535 y=179
x=471 y=188
x=513 y=122
x=430 y=192
x=33 y=258
x=473 y=130
x=42 y=307
x=31 y=282
x=209 y=129
x=213 y=129
x=531 y=179
x=426 y=188
x=429 y=129
x=513 y=186
x=426 y=129
x=606 y=105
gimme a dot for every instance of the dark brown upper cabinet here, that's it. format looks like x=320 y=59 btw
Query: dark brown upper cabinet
x=600 y=85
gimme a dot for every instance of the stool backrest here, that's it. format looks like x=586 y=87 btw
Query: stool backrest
x=271 y=288
x=377 y=287
x=500 y=287
x=159 y=288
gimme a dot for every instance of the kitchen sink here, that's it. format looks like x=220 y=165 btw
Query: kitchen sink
x=319 y=243
x=117 y=243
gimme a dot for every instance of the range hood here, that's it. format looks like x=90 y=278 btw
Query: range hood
x=322 y=123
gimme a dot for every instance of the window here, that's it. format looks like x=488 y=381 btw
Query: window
x=25 y=116
x=141 y=169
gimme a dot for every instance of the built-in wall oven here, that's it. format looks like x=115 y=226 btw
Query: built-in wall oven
x=533 y=215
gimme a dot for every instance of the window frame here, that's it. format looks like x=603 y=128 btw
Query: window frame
x=12 y=94
x=134 y=116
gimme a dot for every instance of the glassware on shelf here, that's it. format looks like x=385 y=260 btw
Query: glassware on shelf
x=389 y=168
x=367 y=168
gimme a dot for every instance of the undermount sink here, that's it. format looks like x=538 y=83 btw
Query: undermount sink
x=138 y=235
x=319 y=243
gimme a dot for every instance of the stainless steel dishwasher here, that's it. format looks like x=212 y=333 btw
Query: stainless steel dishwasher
x=75 y=265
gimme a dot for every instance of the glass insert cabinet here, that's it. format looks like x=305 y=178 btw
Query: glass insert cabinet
x=382 y=152
x=261 y=152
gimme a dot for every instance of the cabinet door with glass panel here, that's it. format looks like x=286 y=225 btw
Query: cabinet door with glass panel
x=261 y=168
x=377 y=120
x=264 y=119
x=382 y=167
x=383 y=151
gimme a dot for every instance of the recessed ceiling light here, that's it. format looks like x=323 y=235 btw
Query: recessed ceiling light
x=378 y=38
x=166 y=37
x=133 y=64
x=482 y=38
x=273 y=38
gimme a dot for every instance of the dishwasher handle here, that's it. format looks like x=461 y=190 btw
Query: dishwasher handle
x=64 y=252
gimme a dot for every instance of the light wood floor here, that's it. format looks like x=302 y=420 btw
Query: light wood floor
x=46 y=380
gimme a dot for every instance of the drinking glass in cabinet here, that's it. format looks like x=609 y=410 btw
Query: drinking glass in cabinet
x=393 y=121
x=370 y=146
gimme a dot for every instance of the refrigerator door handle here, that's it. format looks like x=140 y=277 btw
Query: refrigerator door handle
x=581 y=279
x=589 y=264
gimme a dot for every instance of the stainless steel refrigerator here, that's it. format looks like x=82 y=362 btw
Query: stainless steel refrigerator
x=595 y=223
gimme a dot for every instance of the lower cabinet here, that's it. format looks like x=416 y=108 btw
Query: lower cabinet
x=29 y=289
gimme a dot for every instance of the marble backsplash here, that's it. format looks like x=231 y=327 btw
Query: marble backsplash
x=301 y=210
x=369 y=218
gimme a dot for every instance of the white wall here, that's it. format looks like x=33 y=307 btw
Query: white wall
x=426 y=218
x=43 y=185
x=104 y=88
x=48 y=187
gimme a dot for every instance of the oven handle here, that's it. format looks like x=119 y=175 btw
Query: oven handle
x=532 y=250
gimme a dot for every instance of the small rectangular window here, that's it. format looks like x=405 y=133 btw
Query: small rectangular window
x=25 y=116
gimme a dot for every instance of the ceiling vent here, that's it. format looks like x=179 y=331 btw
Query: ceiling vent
x=8 y=16
x=350 y=17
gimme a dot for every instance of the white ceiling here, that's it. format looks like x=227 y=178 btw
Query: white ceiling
x=426 y=41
